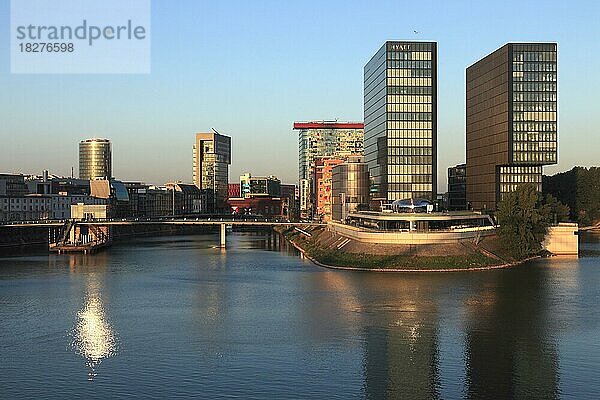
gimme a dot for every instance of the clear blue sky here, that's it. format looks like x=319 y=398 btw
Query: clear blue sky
x=251 y=68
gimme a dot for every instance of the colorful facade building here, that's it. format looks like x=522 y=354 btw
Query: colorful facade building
x=319 y=139
x=323 y=178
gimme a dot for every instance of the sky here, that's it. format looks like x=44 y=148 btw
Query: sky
x=250 y=69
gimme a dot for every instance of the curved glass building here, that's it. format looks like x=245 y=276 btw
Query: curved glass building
x=95 y=159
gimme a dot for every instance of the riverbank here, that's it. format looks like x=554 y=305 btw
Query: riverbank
x=22 y=238
x=331 y=250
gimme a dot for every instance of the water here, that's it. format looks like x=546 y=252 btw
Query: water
x=174 y=317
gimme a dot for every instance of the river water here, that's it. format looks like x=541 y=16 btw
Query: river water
x=174 y=317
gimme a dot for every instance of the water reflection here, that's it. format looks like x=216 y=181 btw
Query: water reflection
x=260 y=324
x=401 y=354
x=93 y=335
x=263 y=240
x=509 y=351
x=397 y=318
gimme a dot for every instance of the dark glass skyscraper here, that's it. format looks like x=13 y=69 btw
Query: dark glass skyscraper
x=511 y=120
x=400 y=106
x=457 y=187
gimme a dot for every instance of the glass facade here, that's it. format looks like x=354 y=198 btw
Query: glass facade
x=400 y=106
x=510 y=177
x=323 y=139
x=511 y=120
x=212 y=156
x=253 y=186
x=95 y=159
x=534 y=103
x=457 y=187
x=350 y=186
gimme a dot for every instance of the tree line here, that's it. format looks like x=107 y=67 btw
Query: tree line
x=579 y=189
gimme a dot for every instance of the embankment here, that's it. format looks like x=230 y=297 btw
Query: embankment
x=331 y=250
x=23 y=238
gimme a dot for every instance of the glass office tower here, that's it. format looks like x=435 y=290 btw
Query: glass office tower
x=323 y=139
x=400 y=108
x=95 y=159
x=511 y=120
x=212 y=156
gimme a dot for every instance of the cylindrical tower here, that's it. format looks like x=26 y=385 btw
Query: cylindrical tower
x=95 y=160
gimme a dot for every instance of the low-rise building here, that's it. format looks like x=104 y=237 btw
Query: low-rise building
x=52 y=184
x=457 y=187
x=173 y=199
x=90 y=211
x=115 y=193
x=13 y=185
x=156 y=202
x=25 y=208
x=36 y=207
x=189 y=199
x=268 y=207
x=61 y=204
x=415 y=228
x=233 y=190
x=266 y=186
x=289 y=192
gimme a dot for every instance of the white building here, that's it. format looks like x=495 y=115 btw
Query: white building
x=41 y=207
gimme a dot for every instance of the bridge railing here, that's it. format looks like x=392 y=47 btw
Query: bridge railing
x=215 y=219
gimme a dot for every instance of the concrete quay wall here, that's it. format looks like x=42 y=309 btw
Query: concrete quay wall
x=414 y=238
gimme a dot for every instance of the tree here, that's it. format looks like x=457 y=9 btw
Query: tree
x=524 y=217
x=579 y=188
x=557 y=210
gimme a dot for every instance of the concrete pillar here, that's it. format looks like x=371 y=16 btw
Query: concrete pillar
x=73 y=234
x=222 y=236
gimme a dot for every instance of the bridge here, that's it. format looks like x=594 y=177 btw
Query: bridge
x=223 y=222
x=595 y=227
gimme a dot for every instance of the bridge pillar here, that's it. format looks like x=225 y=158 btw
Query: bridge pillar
x=222 y=236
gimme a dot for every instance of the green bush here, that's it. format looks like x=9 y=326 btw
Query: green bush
x=524 y=217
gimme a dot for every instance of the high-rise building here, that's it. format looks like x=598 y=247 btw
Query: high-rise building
x=511 y=120
x=212 y=156
x=350 y=187
x=400 y=106
x=95 y=159
x=457 y=187
x=323 y=139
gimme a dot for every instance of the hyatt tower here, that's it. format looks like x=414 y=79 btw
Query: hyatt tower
x=511 y=120
x=400 y=106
